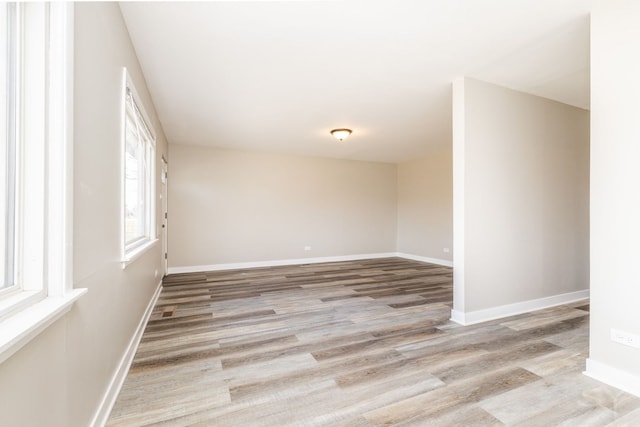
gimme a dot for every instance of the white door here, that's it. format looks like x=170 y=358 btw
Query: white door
x=163 y=196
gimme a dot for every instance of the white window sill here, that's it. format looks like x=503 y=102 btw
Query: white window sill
x=21 y=327
x=16 y=301
x=138 y=252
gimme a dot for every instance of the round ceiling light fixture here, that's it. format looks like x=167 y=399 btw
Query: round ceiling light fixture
x=341 y=134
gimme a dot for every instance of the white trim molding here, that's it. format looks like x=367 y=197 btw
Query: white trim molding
x=458 y=317
x=499 y=312
x=300 y=261
x=614 y=377
x=138 y=252
x=109 y=398
x=276 y=263
x=428 y=260
x=20 y=328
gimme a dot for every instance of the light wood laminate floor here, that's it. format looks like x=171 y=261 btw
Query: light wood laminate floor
x=362 y=343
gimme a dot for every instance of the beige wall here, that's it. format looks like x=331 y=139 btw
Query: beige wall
x=231 y=206
x=425 y=205
x=521 y=180
x=615 y=195
x=59 y=378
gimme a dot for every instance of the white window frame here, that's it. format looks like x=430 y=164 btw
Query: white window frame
x=44 y=182
x=7 y=152
x=132 y=250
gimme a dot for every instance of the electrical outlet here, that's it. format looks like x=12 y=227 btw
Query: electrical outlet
x=307 y=248
x=445 y=250
x=626 y=338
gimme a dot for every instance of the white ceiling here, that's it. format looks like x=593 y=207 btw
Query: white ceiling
x=278 y=76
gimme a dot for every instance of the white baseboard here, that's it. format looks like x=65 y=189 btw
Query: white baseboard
x=109 y=399
x=438 y=261
x=299 y=261
x=615 y=377
x=458 y=317
x=276 y=263
x=479 y=316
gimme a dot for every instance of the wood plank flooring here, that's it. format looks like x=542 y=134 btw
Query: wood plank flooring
x=362 y=343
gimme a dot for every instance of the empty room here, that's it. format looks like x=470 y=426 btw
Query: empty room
x=320 y=213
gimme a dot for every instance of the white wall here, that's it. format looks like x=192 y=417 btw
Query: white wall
x=521 y=167
x=230 y=206
x=59 y=378
x=615 y=194
x=425 y=205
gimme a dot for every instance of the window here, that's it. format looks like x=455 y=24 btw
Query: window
x=8 y=20
x=35 y=169
x=24 y=142
x=138 y=180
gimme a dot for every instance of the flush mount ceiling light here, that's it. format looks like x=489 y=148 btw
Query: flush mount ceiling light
x=341 y=134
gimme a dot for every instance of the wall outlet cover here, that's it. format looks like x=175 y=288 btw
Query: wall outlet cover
x=626 y=338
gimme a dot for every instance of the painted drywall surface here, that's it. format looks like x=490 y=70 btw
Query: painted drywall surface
x=231 y=206
x=425 y=205
x=615 y=197
x=458 y=150
x=59 y=378
x=526 y=197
